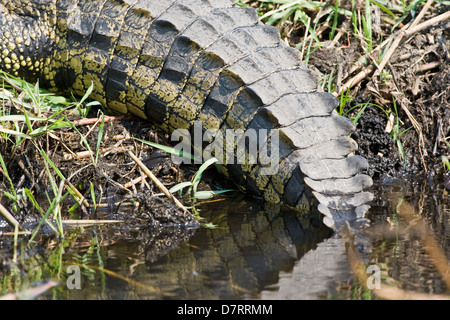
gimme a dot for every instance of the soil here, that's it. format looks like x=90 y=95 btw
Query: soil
x=112 y=177
x=418 y=81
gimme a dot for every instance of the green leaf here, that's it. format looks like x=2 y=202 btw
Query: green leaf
x=198 y=174
x=99 y=138
x=87 y=93
x=33 y=200
x=22 y=118
x=207 y=194
x=167 y=149
x=14 y=133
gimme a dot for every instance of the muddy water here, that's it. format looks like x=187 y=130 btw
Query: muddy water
x=252 y=253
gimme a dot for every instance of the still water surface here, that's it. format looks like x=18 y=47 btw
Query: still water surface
x=252 y=253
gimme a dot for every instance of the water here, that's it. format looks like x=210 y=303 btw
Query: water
x=252 y=253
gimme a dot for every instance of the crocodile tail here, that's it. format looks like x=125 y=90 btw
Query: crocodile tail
x=185 y=62
x=257 y=84
x=318 y=165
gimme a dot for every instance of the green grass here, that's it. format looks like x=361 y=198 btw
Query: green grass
x=396 y=133
x=191 y=187
x=35 y=112
x=446 y=162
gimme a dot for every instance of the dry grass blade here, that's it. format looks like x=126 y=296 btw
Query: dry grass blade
x=128 y=280
x=354 y=81
x=80 y=196
x=87 y=153
x=418 y=129
x=9 y=217
x=84 y=223
x=88 y=121
x=413 y=28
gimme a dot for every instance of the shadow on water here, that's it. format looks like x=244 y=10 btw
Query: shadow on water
x=251 y=254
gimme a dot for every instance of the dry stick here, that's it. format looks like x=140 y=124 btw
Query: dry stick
x=157 y=182
x=30 y=293
x=8 y=216
x=78 y=193
x=428 y=23
x=414 y=27
x=14 y=233
x=78 y=223
x=421 y=13
x=416 y=125
x=134 y=181
x=304 y=41
x=362 y=74
x=429 y=66
x=87 y=121
x=87 y=153
x=355 y=80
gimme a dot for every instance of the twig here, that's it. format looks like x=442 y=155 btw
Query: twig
x=304 y=41
x=30 y=293
x=428 y=23
x=405 y=31
x=414 y=27
x=87 y=153
x=59 y=196
x=355 y=80
x=9 y=217
x=14 y=233
x=134 y=181
x=422 y=150
x=429 y=66
x=157 y=182
x=78 y=193
x=87 y=121
x=78 y=223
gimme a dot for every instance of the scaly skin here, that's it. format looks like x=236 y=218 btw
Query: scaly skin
x=180 y=62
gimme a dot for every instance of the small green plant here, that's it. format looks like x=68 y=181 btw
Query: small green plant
x=36 y=112
x=362 y=25
x=343 y=100
x=396 y=134
x=193 y=184
x=446 y=162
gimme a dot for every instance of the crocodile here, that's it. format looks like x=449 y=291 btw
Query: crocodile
x=178 y=63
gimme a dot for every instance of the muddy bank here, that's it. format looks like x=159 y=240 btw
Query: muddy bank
x=90 y=160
